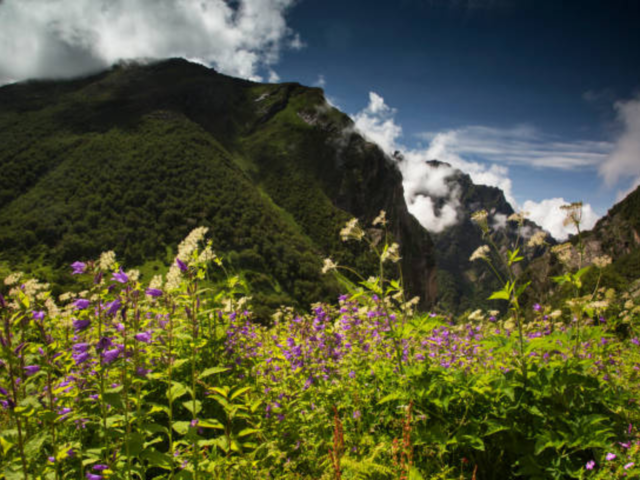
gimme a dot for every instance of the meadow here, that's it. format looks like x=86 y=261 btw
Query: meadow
x=173 y=378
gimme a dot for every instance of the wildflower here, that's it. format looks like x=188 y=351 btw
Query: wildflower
x=81 y=357
x=537 y=307
x=31 y=370
x=79 y=325
x=480 y=218
x=154 y=292
x=328 y=265
x=602 y=261
x=563 y=252
x=111 y=355
x=537 y=239
x=13 y=278
x=480 y=253
x=107 y=259
x=351 y=231
x=51 y=459
x=381 y=219
x=144 y=337
x=190 y=244
x=100 y=467
x=113 y=307
x=573 y=213
x=356 y=414
x=629 y=465
x=78 y=268
x=610 y=456
x=93 y=476
x=391 y=253
x=181 y=265
x=38 y=315
x=120 y=276
x=81 y=304
x=517 y=217
x=476 y=315
x=590 y=464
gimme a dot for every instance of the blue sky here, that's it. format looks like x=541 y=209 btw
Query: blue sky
x=541 y=98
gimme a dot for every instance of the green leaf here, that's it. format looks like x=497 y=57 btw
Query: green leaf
x=157 y=459
x=181 y=427
x=194 y=409
x=34 y=446
x=212 y=371
x=176 y=391
x=239 y=392
x=211 y=423
x=414 y=474
x=113 y=399
x=247 y=431
x=390 y=398
x=501 y=295
x=5 y=444
x=135 y=443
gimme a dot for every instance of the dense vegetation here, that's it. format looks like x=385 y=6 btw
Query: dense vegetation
x=175 y=379
x=134 y=158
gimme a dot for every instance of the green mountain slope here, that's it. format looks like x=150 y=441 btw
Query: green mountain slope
x=133 y=158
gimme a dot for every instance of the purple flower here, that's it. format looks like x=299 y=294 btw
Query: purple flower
x=120 y=276
x=113 y=307
x=81 y=304
x=80 y=325
x=31 y=370
x=153 y=292
x=100 y=466
x=194 y=422
x=80 y=347
x=111 y=355
x=4 y=392
x=635 y=341
x=81 y=357
x=181 y=265
x=610 y=456
x=144 y=337
x=537 y=307
x=104 y=343
x=93 y=476
x=356 y=414
x=38 y=315
x=51 y=459
x=629 y=465
x=78 y=268
x=590 y=464
x=142 y=372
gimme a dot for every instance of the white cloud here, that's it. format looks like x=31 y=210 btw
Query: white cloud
x=525 y=145
x=624 y=160
x=320 y=82
x=432 y=200
x=550 y=216
x=66 y=38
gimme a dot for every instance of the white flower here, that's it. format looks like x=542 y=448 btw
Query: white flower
x=573 y=213
x=351 y=231
x=602 y=261
x=13 y=278
x=391 y=253
x=563 y=252
x=156 y=282
x=537 y=239
x=381 y=219
x=190 y=244
x=107 y=259
x=328 y=265
x=480 y=253
x=476 y=315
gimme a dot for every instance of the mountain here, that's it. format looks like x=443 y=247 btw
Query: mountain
x=616 y=235
x=135 y=157
x=463 y=284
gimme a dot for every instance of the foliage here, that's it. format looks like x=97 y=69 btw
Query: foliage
x=175 y=379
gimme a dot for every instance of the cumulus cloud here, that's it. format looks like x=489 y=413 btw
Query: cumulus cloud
x=624 y=160
x=66 y=38
x=551 y=217
x=435 y=202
